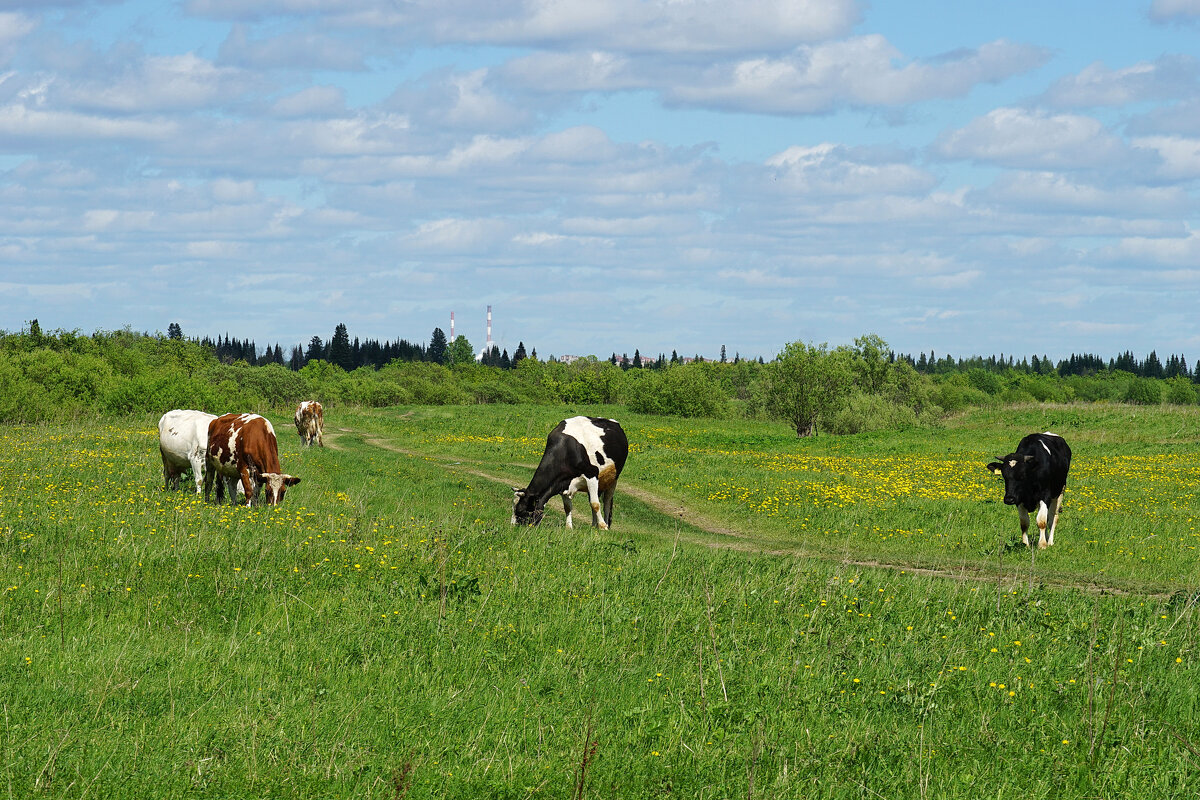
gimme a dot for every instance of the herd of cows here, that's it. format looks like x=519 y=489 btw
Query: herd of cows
x=239 y=453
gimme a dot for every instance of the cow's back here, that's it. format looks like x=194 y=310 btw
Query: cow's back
x=183 y=432
x=236 y=440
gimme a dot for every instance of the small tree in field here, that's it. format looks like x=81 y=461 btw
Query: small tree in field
x=460 y=352
x=805 y=383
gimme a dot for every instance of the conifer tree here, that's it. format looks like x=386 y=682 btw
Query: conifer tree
x=339 y=348
x=436 y=352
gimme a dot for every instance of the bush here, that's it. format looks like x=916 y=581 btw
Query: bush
x=680 y=391
x=863 y=412
x=1143 y=392
x=1180 y=391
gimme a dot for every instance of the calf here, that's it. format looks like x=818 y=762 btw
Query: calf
x=581 y=453
x=1034 y=479
x=310 y=423
x=182 y=441
x=243 y=446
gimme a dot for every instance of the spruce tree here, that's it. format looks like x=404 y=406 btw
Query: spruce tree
x=436 y=352
x=339 y=348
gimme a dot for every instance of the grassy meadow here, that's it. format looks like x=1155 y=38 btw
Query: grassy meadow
x=769 y=617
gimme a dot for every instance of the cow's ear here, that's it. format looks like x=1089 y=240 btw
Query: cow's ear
x=1028 y=459
x=518 y=491
x=290 y=480
x=994 y=467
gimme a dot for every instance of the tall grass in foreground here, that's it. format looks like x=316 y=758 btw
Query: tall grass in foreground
x=385 y=633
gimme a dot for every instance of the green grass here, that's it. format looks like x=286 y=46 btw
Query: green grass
x=386 y=633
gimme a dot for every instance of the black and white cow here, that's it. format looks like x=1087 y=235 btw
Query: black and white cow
x=582 y=453
x=1034 y=479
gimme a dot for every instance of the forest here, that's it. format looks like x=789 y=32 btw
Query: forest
x=816 y=388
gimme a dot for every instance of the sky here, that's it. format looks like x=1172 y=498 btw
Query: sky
x=610 y=177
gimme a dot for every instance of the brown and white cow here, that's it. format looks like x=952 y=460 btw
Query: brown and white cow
x=310 y=423
x=582 y=454
x=183 y=442
x=243 y=447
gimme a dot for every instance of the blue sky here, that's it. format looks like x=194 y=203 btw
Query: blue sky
x=967 y=178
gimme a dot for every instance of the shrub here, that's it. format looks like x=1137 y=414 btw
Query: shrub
x=863 y=412
x=1143 y=391
x=1180 y=391
x=680 y=391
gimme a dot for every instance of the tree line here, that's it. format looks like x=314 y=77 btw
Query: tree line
x=814 y=388
x=1086 y=364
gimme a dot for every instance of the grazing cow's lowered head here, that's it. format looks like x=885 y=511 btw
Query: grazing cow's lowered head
x=1035 y=477
x=243 y=447
x=310 y=423
x=582 y=453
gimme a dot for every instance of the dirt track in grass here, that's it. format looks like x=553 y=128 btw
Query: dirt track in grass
x=696 y=528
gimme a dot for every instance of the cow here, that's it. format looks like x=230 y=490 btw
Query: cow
x=582 y=453
x=183 y=442
x=310 y=423
x=1034 y=479
x=243 y=446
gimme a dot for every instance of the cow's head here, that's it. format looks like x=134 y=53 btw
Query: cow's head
x=1014 y=469
x=274 y=485
x=526 y=510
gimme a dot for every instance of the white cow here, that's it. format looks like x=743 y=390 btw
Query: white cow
x=183 y=442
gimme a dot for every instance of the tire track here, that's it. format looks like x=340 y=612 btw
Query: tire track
x=715 y=535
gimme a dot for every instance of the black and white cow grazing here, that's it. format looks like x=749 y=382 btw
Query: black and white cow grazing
x=1034 y=479
x=582 y=453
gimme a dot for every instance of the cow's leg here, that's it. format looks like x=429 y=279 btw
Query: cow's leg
x=220 y=481
x=607 y=497
x=247 y=485
x=1055 y=508
x=593 y=490
x=1042 y=515
x=1024 y=525
x=566 y=496
x=320 y=437
x=197 y=460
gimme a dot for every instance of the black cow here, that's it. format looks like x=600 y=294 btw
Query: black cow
x=581 y=453
x=1034 y=479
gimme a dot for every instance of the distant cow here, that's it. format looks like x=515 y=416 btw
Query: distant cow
x=243 y=446
x=582 y=453
x=310 y=423
x=1034 y=479
x=183 y=440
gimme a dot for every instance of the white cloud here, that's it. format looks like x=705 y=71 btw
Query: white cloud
x=1174 y=10
x=1052 y=191
x=26 y=124
x=678 y=26
x=857 y=72
x=312 y=101
x=1096 y=85
x=1022 y=138
x=830 y=170
x=152 y=84
x=1180 y=155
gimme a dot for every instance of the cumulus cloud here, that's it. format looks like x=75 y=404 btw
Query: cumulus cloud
x=313 y=101
x=1180 y=155
x=830 y=170
x=1057 y=192
x=1096 y=85
x=1031 y=139
x=1175 y=10
x=293 y=49
x=858 y=72
x=679 y=26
